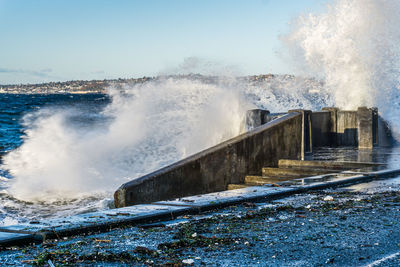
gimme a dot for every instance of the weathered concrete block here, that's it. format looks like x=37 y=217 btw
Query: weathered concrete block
x=261 y=180
x=348 y=128
x=237 y=186
x=12 y=239
x=306 y=144
x=332 y=135
x=341 y=165
x=367 y=127
x=294 y=172
x=347 y=124
x=322 y=129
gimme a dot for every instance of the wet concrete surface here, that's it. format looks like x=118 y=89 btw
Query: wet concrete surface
x=352 y=226
x=387 y=155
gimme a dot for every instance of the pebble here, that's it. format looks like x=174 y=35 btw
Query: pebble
x=188 y=261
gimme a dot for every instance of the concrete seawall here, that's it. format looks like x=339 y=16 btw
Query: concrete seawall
x=292 y=135
x=213 y=169
x=362 y=128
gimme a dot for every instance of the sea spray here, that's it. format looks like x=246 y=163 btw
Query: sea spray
x=354 y=47
x=145 y=127
x=280 y=93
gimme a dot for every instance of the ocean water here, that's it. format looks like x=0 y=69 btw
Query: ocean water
x=13 y=107
x=16 y=114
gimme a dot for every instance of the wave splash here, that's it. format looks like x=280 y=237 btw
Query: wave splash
x=354 y=47
x=147 y=126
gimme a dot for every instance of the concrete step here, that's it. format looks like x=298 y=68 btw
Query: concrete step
x=289 y=163
x=294 y=172
x=260 y=180
x=237 y=186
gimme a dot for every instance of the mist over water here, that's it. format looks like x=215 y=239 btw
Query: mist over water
x=354 y=47
x=72 y=158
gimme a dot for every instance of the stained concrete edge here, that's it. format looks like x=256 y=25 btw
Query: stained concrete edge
x=8 y=239
x=102 y=221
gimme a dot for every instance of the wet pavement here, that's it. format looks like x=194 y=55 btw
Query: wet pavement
x=388 y=155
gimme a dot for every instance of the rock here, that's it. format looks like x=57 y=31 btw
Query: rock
x=188 y=261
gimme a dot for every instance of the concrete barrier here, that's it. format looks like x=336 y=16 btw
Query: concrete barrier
x=347 y=124
x=335 y=127
x=213 y=169
x=306 y=131
x=322 y=128
x=362 y=128
x=290 y=136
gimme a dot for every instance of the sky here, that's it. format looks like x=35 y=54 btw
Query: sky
x=59 y=40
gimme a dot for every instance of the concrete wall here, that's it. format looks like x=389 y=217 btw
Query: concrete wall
x=290 y=136
x=347 y=124
x=213 y=169
x=334 y=127
x=321 y=128
x=306 y=136
x=362 y=128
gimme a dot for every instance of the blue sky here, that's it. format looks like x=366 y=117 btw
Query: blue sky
x=55 y=40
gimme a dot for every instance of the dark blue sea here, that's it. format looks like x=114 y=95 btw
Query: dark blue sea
x=15 y=112
x=13 y=107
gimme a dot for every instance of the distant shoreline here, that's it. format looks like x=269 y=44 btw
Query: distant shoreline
x=69 y=87
x=100 y=86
